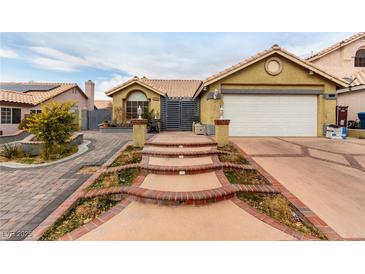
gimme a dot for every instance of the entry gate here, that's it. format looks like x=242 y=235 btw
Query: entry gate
x=179 y=113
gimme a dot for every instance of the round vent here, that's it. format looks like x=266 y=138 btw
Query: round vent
x=273 y=66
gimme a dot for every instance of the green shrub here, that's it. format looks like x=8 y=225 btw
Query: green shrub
x=54 y=125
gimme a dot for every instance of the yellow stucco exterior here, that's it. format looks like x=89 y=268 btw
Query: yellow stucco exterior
x=120 y=97
x=292 y=76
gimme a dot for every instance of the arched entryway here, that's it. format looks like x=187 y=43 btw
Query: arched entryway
x=135 y=99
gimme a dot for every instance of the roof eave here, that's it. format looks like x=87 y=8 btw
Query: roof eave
x=121 y=87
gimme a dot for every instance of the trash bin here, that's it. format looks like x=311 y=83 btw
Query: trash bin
x=362 y=119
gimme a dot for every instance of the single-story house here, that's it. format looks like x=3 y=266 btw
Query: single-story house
x=21 y=98
x=273 y=93
x=353 y=96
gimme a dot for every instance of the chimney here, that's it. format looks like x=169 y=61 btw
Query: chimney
x=90 y=93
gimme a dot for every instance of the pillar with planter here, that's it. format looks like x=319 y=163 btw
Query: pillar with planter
x=222 y=131
x=139 y=132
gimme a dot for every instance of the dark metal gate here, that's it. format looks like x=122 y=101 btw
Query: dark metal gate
x=179 y=113
x=92 y=118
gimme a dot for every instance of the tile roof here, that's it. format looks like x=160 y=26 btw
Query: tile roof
x=171 y=88
x=266 y=53
x=100 y=104
x=336 y=46
x=33 y=97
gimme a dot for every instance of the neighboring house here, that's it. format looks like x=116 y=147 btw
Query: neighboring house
x=273 y=93
x=353 y=96
x=103 y=104
x=19 y=99
x=346 y=60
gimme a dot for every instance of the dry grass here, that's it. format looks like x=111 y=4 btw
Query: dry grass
x=131 y=155
x=83 y=212
x=246 y=177
x=279 y=208
x=88 y=169
x=123 y=178
x=231 y=155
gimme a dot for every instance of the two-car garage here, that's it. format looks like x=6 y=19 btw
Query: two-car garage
x=271 y=114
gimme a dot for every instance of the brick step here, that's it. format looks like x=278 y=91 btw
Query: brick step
x=184 y=154
x=189 y=197
x=180 y=170
x=164 y=144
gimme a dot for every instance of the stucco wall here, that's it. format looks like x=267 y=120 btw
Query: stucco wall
x=255 y=76
x=71 y=95
x=341 y=61
x=355 y=100
x=120 y=97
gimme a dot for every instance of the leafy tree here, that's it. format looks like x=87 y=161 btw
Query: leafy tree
x=54 y=125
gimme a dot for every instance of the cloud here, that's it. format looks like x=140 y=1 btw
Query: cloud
x=50 y=58
x=101 y=86
x=52 y=64
x=8 y=53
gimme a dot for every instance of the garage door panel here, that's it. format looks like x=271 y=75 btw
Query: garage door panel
x=271 y=115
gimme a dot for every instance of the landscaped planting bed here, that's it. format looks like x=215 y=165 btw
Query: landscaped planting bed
x=84 y=211
x=231 y=155
x=14 y=153
x=122 y=178
x=245 y=177
x=279 y=208
x=131 y=155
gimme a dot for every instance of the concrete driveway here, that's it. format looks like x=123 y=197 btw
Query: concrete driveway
x=326 y=175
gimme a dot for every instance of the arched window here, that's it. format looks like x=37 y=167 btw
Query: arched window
x=360 y=58
x=134 y=100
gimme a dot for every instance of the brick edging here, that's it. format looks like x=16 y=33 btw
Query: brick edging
x=69 y=202
x=185 y=154
x=312 y=217
x=164 y=144
x=271 y=221
x=188 y=197
x=98 y=221
x=176 y=170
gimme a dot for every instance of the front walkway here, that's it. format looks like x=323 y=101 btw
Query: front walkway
x=326 y=175
x=28 y=196
x=223 y=220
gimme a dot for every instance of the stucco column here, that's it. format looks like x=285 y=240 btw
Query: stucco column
x=139 y=132
x=222 y=131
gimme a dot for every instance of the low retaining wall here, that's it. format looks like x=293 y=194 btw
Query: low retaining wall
x=34 y=148
x=18 y=136
x=356 y=133
x=116 y=129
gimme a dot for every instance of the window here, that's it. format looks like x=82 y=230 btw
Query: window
x=11 y=115
x=6 y=115
x=136 y=99
x=35 y=111
x=360 y=58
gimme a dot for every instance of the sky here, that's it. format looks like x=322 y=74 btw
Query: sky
x=112 y=58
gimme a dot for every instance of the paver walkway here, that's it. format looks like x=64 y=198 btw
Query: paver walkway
x=222 y=220
x=326 y=175
x=28 y=196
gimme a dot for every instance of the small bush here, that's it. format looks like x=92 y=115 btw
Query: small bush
x=10 y=151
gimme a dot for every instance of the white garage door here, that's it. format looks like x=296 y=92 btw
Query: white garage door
x=271 y=115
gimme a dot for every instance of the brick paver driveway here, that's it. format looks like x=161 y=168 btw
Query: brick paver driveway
x=328 y=176
x=28 y=196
